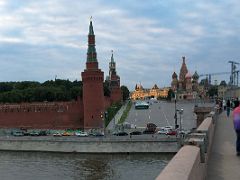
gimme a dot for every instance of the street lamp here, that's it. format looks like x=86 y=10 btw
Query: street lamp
x=180 y=111
x=175 y=115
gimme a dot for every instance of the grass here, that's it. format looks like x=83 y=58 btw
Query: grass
x=111 y=112
x=125 y=113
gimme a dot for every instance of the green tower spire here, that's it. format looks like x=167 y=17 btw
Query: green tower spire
x=112 y=59
x=91 y=32
x=91 y=53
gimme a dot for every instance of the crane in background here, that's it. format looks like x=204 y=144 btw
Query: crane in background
x=209 y=75
x=234 y=73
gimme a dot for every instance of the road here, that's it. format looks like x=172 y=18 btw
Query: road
x=162 y=113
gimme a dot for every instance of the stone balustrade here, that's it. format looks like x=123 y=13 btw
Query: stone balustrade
x=190 y=163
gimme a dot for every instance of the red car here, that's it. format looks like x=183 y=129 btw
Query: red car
x=171 y=132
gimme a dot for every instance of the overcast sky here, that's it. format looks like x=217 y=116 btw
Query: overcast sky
x=44 y=38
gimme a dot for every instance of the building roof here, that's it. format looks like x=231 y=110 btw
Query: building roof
x=195 y=75
x=188 y=75
x=155 y=87
x=174 y=75
x=183 y=70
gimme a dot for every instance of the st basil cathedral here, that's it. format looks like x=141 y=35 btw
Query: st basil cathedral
x=186 y=86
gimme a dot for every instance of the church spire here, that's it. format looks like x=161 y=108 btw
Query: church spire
x=91 y=53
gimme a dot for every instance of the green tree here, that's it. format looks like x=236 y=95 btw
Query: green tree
x=30 y=91
x=106 y=89
x=212 y=91
x=125 y=92
x=170 y=95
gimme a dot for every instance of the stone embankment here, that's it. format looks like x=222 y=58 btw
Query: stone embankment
x=190 y=163
x=90 y=145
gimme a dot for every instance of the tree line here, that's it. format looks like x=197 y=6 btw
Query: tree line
x=51 y=90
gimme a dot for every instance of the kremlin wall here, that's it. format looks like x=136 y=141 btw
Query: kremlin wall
x=86 y=113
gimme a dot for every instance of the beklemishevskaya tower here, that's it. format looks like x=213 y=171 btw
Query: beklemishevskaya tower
x=92 y=79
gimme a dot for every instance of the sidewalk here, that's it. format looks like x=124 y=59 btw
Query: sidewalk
x=117 y=117
x=223 y=162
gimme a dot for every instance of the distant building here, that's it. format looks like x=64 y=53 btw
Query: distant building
x=222 y=89
x=154 y=92
x=186 y=86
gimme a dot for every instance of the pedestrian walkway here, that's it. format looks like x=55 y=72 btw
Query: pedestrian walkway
x=223 y=162
x=117 y=117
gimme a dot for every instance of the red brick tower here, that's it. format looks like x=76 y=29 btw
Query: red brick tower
x=116 y=94
x=92 y=78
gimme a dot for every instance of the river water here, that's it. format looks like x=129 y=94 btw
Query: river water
x=68 y=166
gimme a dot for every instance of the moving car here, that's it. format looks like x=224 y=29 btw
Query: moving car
x=165 y=129
x=150 y=129
x=171 y=132
x=141 y=105
x=162 y=131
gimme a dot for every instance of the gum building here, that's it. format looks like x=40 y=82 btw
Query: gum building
x=154 y=92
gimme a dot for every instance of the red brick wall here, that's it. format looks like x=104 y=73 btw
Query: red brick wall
x=116 y=95
x=56 y=115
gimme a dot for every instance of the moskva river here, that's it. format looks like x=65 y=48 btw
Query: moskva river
x=56 y=166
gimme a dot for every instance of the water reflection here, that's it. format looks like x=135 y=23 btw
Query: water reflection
x=55 y=166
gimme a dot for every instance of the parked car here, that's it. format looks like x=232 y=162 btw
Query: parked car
x=66 y=134
x=18 y=133
x=97 y=134
x=57 y=134
x=135 y=133
x=26 y=133
x=81 y=134
x=122 y=133
x=34 y=133
x=148 y=132
x=42 y=133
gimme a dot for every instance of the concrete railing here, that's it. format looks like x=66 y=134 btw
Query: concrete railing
x=190 y=163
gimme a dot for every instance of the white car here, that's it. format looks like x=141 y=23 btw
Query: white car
x=57 y=134
x=162 y=131
x=167 y=128
x=81 y=134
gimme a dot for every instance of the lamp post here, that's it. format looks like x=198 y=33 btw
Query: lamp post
x=175 y=115
x=180 y=119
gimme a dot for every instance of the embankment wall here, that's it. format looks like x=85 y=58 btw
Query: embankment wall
x=98 y=145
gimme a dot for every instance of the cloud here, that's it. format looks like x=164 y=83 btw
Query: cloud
x=48 y=38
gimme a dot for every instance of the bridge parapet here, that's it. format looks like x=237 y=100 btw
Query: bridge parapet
x=191 y=160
